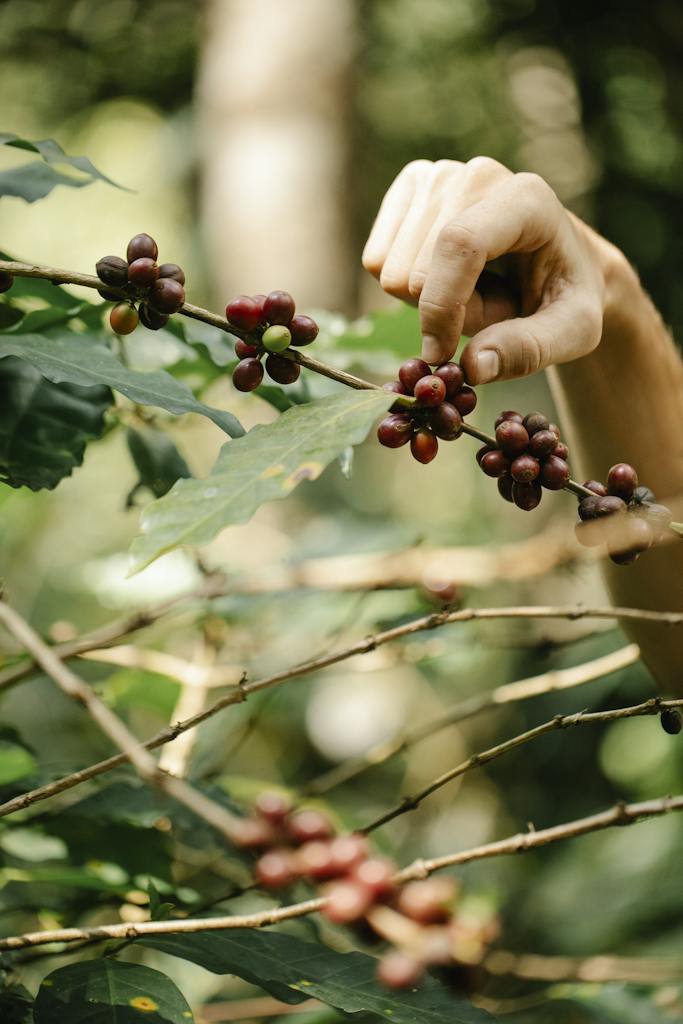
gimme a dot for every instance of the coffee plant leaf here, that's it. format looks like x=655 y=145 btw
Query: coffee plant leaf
x=16 y=762
x=45 y=427
x=610 y=1003
x=157 y=460
x=84 y=360
x=105 y=991
x=265 y=464
x=293 y=970
x=53 y=154
x=16 y=1005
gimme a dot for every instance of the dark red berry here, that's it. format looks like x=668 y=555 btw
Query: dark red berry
x=609 y=506
x=244 y=312
x=555 y=429
x=247 y=375
x=427 y=901
x=535 y=421
x=424 y=445
x=123 y=318
x=304 y=330
x=511 y=438
x=527 y=496
x=245 y=351
x=395 y=386
x=588 y=508
x=282 y=370
x=143 y=272
x=508 y=414
x=542 y=444
x=395 y=430
x=524 y=469
x=347 y=901
x=273 y=806
x=259 y=299
x=376 y=875
x=303 y=826
x=622 y=481
x=505 y=485
x=278 y=307
x=561 y=451
x=481 y=452
x=167 y=295
x=142 y=246
x=554 y=473
x=399 y=970
x=495 y=463
x=446 y=422
x=275 y=869
x=671 y=721
x=596 y=487
x=410 y=372
x=453 y=377
x=465 y=401
x=112 y=270
x=172 y=270
x=151 y=319
x=430 y=390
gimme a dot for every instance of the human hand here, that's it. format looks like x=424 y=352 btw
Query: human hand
x=441 y=223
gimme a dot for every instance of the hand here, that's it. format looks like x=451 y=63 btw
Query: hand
x=441 y=223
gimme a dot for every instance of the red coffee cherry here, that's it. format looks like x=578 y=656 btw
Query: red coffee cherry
x=481 y=452
x=395 y=386
x=555 y=429
x=112 y=270
x=304 y=330
x=347 y=901
x=348 y=851
x=495 y=463
x=273 y=806
x=622 y=481
x=554 y=473
x=314 y=859
x=244 y=312
x=282 y=370
x=430 y=390
x=247 y=375
x=610 y=505
x=399 y=970
x=446 y=422
x=410 y=372
x=123 y=318
x=588 y=508
x=167 y=295
x=535 y=421
x=505 y=485
x=278 y=307
x=424 y=445
x=142 y=246
x=428 y=901
x=245 y=351
x=465 y=401
x=508 y=414
x=395 y=430
x=172 y=270
x=151 y=319
x=376 y=875
x=524 y=469
x=254 y=834
x=542 y=444
x=259 y=299
x=511 y=438
x=305 y=825
x=143 y=272
x=453 y=377
x=275 y=869
x=527 y=496
x=561 y=451
x=596 y=487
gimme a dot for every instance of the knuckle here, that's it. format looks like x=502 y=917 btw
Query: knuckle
x=416 y=283
x=456 y=239
x=416 y=168
x=486 y=167
x=535 y=187
x=588 y=318
x=393 y=281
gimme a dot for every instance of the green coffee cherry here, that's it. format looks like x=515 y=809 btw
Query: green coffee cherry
x=276 y=338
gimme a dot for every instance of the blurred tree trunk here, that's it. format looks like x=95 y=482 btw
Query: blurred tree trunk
x=273 y=104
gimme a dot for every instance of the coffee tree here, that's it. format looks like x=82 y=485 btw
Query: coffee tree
x=401 y=942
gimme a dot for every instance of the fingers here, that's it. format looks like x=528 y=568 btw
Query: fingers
x=390 y=217
x=519 y=215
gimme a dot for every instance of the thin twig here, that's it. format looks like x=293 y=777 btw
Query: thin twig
x=369 y=643
x=620 y=814
x=595 y=969
x=522 y=689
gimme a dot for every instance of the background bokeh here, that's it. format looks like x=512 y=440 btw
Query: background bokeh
x=258 y=137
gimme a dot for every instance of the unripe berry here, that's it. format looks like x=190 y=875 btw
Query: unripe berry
x=376 y=875
x=244 y=312
x=554 y=473
x=112 y=270
x=446 y=422
x=671 y=721
x=305 y=825
x=430 y=390
x=622 y=480
x=123 y=318
x=151 y=319
x=245 y=351
x=140 y=246
x=167 y=295
x=508 y=414
x=399 y=970
x=424 y=445
x=495 y=463
x=511 y=438
x=273 y=806
x=453 y=377
x=172 y=270
x=304 y=330
x=535 y=421
x=427 y=901
x=278 y=307
x=282 y=370
x=395 y=430
x=524 y=469
x=596 y=487
x=275 y=869
x=411 y=371
x=276 y=338
x=527 y=496
x=542 y=444
x=505 y=485
x=143 y=272
x=247 y=375
x=465 y=401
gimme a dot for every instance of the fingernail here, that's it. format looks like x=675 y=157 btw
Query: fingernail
x=488 y=366
x=431 y=349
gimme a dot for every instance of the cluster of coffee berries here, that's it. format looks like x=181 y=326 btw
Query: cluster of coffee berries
x=158 y=288
x=6 y=281
x=529 y=455
x=441 y=400
x=622 y=515
x=424 y=927
x=270 y=325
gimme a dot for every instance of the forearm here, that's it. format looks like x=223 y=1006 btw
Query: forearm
x=624 y=402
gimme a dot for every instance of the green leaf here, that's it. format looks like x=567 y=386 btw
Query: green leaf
x=595 y=1004
x=9 y=316
x=395 y=330
x=44 y=427
x=267 y=463
x=84 y=360
x=16 y=1005
x=15 y=762
x=156 y=459
x=293 y=970
x=32 y=182
x=108 y=992
x=52 y=153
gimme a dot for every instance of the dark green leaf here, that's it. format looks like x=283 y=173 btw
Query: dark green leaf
x=156 y=459
x=44 y=427
x=31 y=182
x=274 y=396
x=52 y=153
x=16 y=1005
x=267 y=463
x=84 y=360
x=293 y=970
x=9 y=315
x=108 y=992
